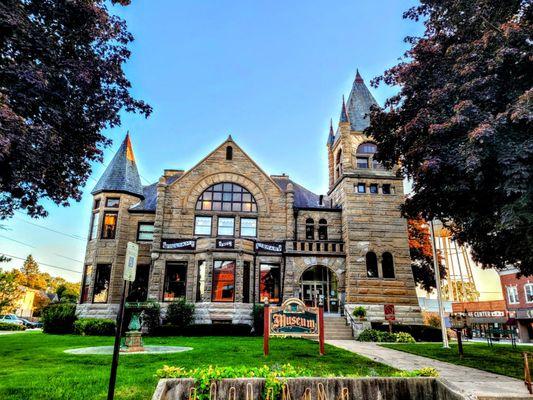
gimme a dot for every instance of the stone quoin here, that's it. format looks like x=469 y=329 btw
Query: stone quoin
x=224 y=234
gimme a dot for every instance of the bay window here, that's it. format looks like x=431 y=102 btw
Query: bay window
x=109 y=227
x=101 y=283
x=175 y=281
x=269 y=282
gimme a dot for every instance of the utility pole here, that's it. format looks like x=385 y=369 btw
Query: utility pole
x=438 y=284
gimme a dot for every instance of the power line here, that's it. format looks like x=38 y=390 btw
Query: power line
x=41 y=263
x=53 y=230
x=17 y=241
x=68 y=258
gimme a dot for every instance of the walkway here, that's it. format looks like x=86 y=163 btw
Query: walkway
x=469 y=380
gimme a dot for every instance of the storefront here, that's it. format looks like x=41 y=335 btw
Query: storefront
x=486 y=317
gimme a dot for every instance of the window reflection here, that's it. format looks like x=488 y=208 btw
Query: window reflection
x=270 y=282
x=223 y=281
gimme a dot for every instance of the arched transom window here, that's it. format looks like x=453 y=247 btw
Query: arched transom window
x=226 y=197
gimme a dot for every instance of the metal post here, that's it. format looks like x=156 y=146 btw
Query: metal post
x=321 y=327
x=266 y=327
x=116 y=348
x=438 y=285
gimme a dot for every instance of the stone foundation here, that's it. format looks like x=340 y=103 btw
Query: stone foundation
x=90 y=310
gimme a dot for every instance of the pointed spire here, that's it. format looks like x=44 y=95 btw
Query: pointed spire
x=358 y=77
x=359 y=102
x=344 y=113
x=331 y=137
x=121 y=174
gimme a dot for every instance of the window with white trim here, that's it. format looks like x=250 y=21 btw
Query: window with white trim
x=226 y=226
x=249 y=227
x=202 y=226
x=528 y=290
x=512 y=295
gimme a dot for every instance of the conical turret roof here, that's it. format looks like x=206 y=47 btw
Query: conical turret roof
x=359 y=103
x=121 y=175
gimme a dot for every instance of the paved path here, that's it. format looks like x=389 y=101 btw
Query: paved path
x=471 y=381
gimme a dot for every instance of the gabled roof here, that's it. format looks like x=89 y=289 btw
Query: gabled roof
x=121 y=174
x=359 y=103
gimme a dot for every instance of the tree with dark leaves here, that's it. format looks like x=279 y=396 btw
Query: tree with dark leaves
x=461 y=126
x=61 y=84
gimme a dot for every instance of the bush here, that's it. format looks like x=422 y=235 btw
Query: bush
x=59 y=318
x=359 y=312
x=94 y=327
x=425 y=372
x=421 y=333
x=205 y=330
x=258 y=314
x=404 y=337
x=4 y=326
x=151 y=315
x=180 y=313
x=373 y=335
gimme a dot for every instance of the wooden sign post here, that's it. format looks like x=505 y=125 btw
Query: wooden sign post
x=459 y=322
x=294 y=319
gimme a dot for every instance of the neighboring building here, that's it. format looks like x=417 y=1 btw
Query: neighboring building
x=518 y=294
x=485 y=315
x=225 y=234
x=24 y=306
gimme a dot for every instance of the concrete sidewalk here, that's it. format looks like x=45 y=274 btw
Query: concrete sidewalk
x=473 y=382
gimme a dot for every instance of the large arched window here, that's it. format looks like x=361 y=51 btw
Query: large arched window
x=371 y=265
x=226 y=197
x=387 y=265
x=310 y=229
x=322 y=229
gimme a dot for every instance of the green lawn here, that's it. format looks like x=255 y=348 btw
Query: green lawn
x=33 y=365
x=501 y=358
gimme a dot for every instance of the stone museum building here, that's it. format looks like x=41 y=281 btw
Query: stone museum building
x=226 y=235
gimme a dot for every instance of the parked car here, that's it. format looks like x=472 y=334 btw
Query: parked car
x=11 y=319
x=30 y=324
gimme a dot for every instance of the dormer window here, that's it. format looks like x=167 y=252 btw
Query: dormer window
x=112 y=202
x=365 y=156
x=229 y=153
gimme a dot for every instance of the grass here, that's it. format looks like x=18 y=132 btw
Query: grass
x=501 y=359
x=34 y=366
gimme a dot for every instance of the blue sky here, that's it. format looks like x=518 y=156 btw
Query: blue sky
x=270 y=73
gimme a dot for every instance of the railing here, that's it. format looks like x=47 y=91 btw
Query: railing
x=349 y=319
x=316 y=246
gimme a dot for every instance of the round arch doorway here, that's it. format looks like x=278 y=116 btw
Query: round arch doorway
x=320 y=281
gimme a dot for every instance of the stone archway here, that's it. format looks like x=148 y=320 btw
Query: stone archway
x=317 y=282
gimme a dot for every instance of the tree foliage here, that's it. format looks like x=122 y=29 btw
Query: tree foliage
x=421 y=253
x=61 y=84
x=10 y=292
x=460 y=127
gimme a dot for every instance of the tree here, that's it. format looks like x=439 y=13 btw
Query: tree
x=421 y=253
x=9 y=292
x=61 y=84
x=463 y=291
x=460 y=126
x=68 y=292
x=30 y=276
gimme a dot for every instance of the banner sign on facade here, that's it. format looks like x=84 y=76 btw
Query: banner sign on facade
x=130 y=264
x=294 y=318
x=270 y=247
x=390 y=314
x=178 y=244
x=225 y=244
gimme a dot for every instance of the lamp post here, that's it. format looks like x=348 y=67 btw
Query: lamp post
x=438 y=285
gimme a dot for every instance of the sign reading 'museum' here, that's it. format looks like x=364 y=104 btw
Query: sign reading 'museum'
x=225 y=244
x=271 y=247
x=294 y=318
x=178 y=244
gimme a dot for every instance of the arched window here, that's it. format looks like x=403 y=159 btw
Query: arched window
x=371 y=265
x=338 y=164
x=226 y=197
x=387 y=265
x=229 y=153
x=322 y=229
x=310 y=229
x=364 y=156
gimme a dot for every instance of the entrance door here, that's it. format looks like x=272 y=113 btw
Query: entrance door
x=319 y=282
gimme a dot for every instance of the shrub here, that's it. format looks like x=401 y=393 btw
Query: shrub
x=359 y=312
x=4 y=326
x=59 y=318
x=386 y=337
x=368 y=335
x=204 y=377
x=425 y=372
x=421 y=333
x=404 y=337
x=151 y=315
x=180 y=313
x=94 y=327
x=258 y=314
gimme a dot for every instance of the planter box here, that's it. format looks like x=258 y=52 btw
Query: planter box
x=357 y=388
